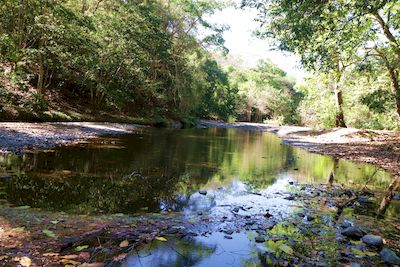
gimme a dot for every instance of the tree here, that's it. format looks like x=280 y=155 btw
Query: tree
x=327 y=32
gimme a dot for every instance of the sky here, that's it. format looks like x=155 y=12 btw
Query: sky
x=241 y=42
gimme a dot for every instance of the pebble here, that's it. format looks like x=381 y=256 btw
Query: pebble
x=390 y=257
x=289 y=198
x=268 y=215
x=346 y=224
x=353 y=232
x=203 y=192
x=310 y=217
x=227 y=237
x=260 y=239
x=228 y=232
x=235 y=209
x=372 y=240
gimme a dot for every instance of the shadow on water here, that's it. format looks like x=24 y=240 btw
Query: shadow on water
x=156 y=170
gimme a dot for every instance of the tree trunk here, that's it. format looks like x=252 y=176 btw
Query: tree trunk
x=21 y=15
x=394 y=80
x=339 y=119
x=40 y=83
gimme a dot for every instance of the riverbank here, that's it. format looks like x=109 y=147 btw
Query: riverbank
x=17 y=137
x=377 y=147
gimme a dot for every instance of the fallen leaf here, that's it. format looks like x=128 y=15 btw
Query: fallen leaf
x=160 y=238
x=22 y=207
x=49 y=233
x=120 y=257
x=70 y=257
x=51 y=254
x=79 y=248
x=84 y=255
x=25 y=261
x=124 y=244
x=69 y=262
x=94 y=264
x=285 y=248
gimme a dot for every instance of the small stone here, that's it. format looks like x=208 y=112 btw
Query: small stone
x=228 y=232
x=303 y=188
x=353 y=232
x=364 y=200
x=203 y=192
x=199 y=213
x=310 y=217
x=390 y=257
x=289 y=198
x=260 y=239
x=372 y=240
x=295 y=169
x=235 y=209
x=227 y=237
x=268 y=215
x=291 y=182
x=346 y=224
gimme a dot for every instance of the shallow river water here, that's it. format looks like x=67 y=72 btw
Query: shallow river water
x=214 y=172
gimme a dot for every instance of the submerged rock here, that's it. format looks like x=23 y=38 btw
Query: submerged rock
x=372 y=240
x=289 y=198
x=390 y=257
x=260 y=239
x=353 y=232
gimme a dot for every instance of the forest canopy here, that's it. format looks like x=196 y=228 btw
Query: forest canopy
x=159 y=59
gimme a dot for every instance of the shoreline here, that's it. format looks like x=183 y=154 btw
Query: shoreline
x=378 y=147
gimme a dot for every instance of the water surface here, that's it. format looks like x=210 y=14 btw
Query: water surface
x=156 y=170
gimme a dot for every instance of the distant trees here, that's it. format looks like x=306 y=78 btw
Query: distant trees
x=332 y=37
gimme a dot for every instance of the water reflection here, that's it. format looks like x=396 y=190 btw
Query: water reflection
x=213 y=250
x=157 y=170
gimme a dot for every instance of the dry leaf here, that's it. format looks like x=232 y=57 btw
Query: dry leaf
x=160 y=238
x=124 y=244
x=120 y=257
x=25 y=261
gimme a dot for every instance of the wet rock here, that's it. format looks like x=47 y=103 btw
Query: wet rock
x=353 y=232
x=289 y=198
x=291 y=182
x=346 y=224
x=259 y=239
x=228 y=232
x=389 y=256
x=310 y=217
x=364 y=200
x=227 y=237
x=372 y=240
x=268 y=215
x=203 y=192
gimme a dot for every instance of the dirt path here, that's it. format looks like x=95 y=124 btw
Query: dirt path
x=372 y=146
x=17 y=137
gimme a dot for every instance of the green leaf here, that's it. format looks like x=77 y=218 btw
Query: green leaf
x=22 y=207
x=285 y=248
x=79 y=248
x=49 y=233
